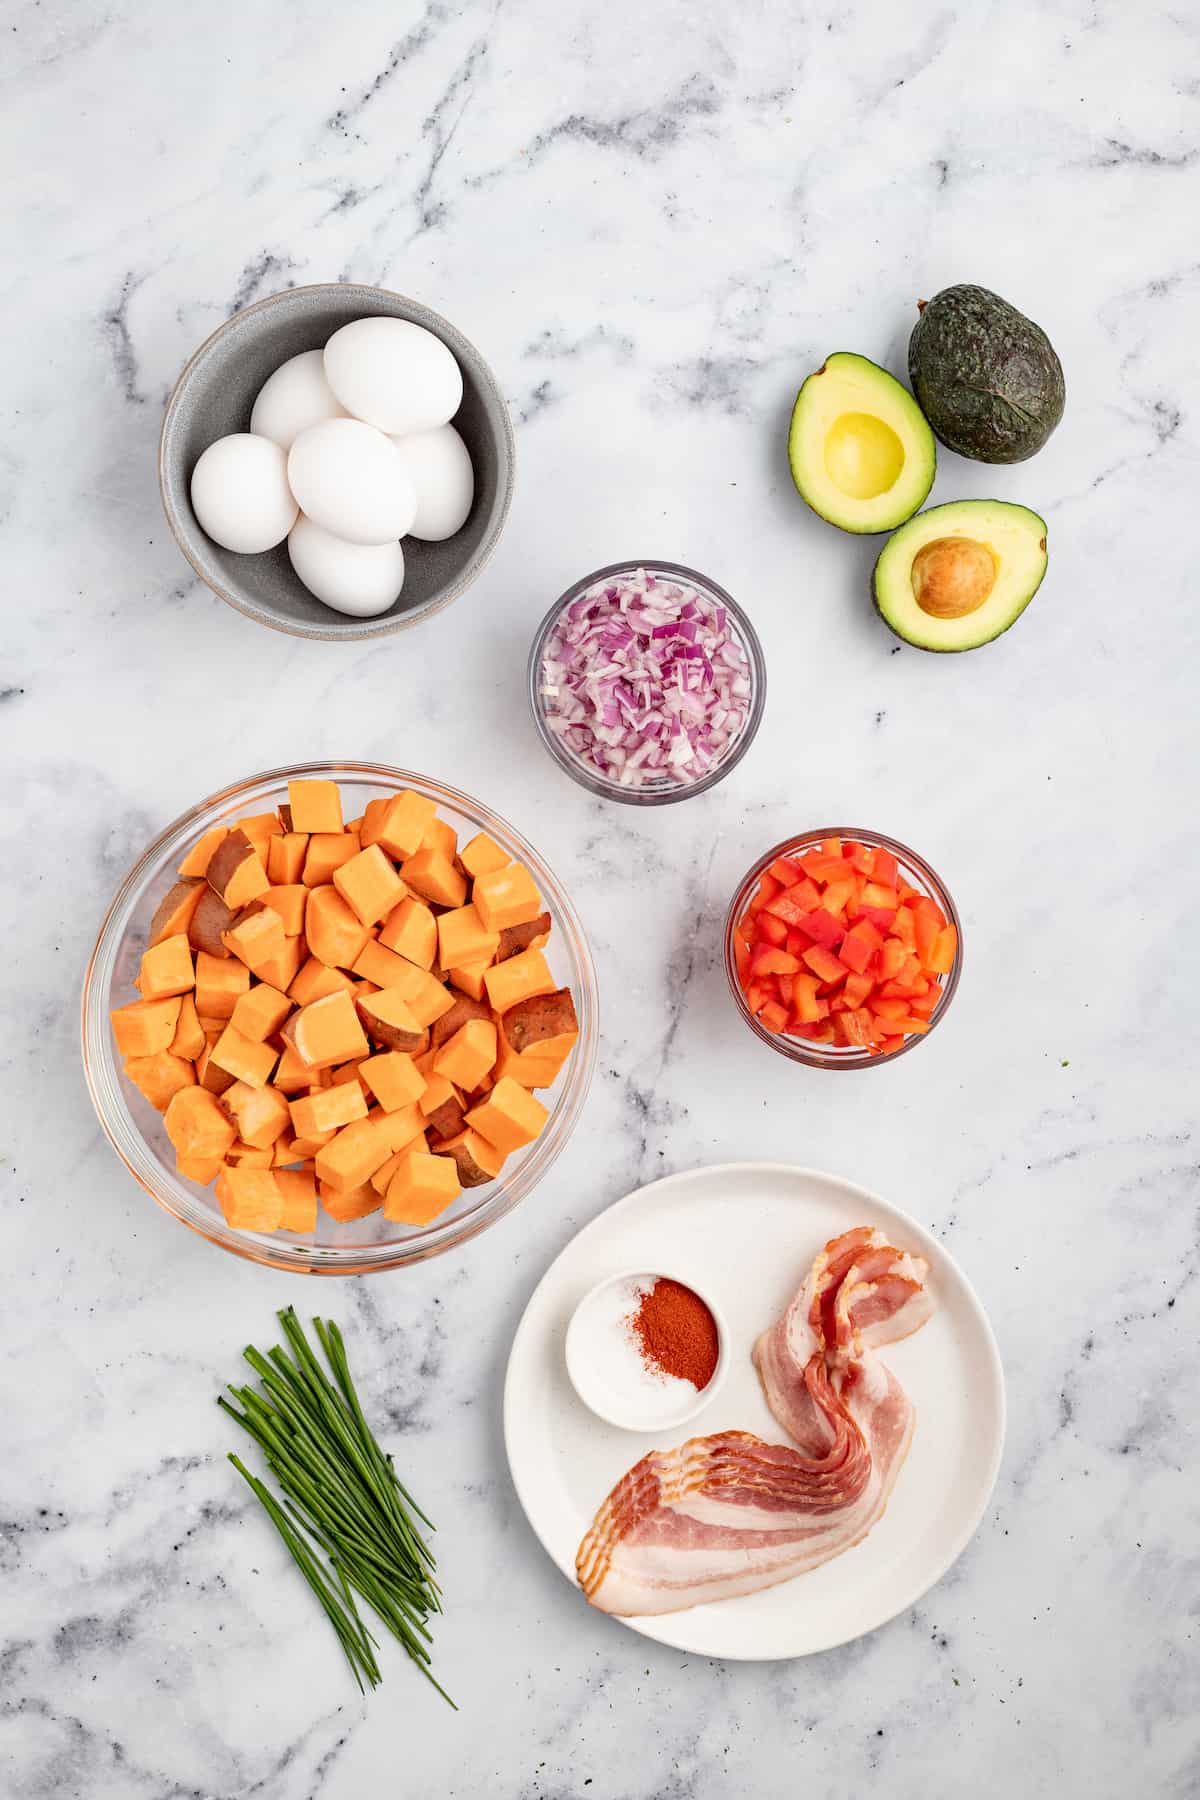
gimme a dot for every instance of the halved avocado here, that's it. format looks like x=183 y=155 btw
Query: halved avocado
x=959 y=575
x=860 y=450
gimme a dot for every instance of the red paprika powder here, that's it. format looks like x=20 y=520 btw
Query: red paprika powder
x=676 y=1333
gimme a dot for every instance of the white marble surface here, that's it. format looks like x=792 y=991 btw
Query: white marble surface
x=655 y=221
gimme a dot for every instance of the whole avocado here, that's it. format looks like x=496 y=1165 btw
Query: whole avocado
x=986 y=377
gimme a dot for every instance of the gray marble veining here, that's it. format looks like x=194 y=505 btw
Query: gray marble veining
x=653 y=221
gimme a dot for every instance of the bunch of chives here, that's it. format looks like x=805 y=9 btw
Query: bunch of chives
x=348 y=1521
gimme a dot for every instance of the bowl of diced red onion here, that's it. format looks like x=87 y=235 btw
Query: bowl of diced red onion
x=647 y=682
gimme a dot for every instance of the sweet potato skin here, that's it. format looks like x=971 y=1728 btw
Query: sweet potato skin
x=464 y=1008
x=515 y=938
x=542 y=1016
x=209 y=923
x=446 y=1120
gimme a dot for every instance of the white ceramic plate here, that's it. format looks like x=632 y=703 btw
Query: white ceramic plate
x=746 y=1233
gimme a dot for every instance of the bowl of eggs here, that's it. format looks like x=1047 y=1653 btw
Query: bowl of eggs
x=337 y=461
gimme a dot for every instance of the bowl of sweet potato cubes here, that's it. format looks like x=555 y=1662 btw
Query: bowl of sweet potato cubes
x=339 y=1018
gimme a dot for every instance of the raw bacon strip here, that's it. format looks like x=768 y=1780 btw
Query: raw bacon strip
x=730 y=1514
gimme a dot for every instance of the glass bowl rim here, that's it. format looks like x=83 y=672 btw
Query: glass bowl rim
x=116 y=1122
x=593 y=780
x=799 y=1049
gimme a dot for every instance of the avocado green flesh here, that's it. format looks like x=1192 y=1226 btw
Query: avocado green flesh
x=1016 y=538
x=860 y=451
x=987 y=378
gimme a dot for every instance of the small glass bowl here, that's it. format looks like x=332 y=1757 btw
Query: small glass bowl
x=663 y=793
x=135 y=1129
x=917 y=872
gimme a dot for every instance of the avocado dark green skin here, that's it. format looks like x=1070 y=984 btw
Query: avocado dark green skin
x=986 y=377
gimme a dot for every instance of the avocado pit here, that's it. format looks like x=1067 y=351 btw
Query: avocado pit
x=952 y=576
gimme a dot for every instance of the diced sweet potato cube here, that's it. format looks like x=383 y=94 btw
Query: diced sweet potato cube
x=314 y=806
x=410 y=929
x=189 y=1039
x=432 y=875
x=464 y=1008
x=241 y=1155
x=307 y=1148
x=160 y=1076
x=290 y=903
x=260 y=828
x=326 y=852
x=530 y=1067
x=530 y=936
x=327 y=1110
x=372 y=822
x=349 y=1071
x=391 y=1021
x=249 y=1198
x=469 y=977
x=236 y=874
x=462 y=937
x=298 y=1193
x=467 y=1057
x=220 y=984
x=315 y=980
x=477 y=1160
x=208 y=1075
x=260 y=1113
x=509 y=1117
x=352 y=1156
x=242 y=1058
x=335 y=934
x=292 y=1074
x=145 y=1027
x=405 y=820
x=425 y=994
x=422 y=1187
x=381 y=1179
x=369 y=885
x=439 y=834
x=203 y=1169
x=285 y=859
x=255 y=937
x=280 y=971
x=398 y=1129
x=506 y=897
x=197 y=1126
x=173 y=913
x=195 y=863
x=482 y=856
x=259 y=1013
x=353 y=1203
x=532 y=1021
x=522 y=977
x=209 y=923
x=166 y=969
x=327 y=1031
x=394 y=1079
x=384 y=967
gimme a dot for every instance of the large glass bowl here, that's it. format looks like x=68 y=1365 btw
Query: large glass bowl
x=135 y=1129
x=917 y=872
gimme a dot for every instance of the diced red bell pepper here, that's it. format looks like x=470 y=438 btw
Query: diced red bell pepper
x=766 y=890
x=876 y=894
x=757 y=995
x=886 y=868
x=765 y=959
x=879 y=916
x=769 y=929
x=741 y=958
x=774 y=1016
x=924 y=1005
x=836 y=894
x=912 y=1023
x=892 y=959
x=789 y=905
x=859 y=945
x=797 y=942
x=888 y=1044
x=861 y=856
x=927 y=930
x=941 y=961
x=805 y=1006
x=888 y=1010
x=904 y=927
x=855 y=1028
x=823 y=928
x=745 y=929
x=824 y=965
x=856 y=989
x=832 y=846
x=786 y=873
x=799 y=1029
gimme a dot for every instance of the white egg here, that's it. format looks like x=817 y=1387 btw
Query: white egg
x=361 y=579
x=296 y=396
x=241 y=495
x=438 y=464
x=393 y=374
x=351 y=479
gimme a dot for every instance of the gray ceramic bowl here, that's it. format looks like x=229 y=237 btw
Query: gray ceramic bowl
x=213 y=397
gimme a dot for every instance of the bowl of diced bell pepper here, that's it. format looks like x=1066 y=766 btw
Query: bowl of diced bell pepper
x=843 y=948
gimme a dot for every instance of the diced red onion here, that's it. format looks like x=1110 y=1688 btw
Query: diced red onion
x=644 y=679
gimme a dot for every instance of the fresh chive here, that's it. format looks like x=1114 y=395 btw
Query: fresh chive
x=347 y=1520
